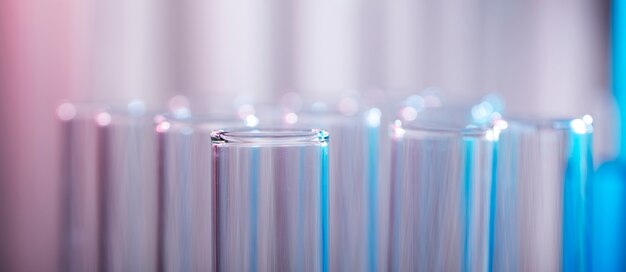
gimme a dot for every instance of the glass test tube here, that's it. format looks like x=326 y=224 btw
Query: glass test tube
x=186 y=192
x=271 y=191
x=79 y=237
x=441 y=179
x=128 y=190
x=542 y=205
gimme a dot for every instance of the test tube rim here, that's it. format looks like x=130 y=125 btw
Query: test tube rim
x=529 y=125
x=269 y=136
x=420 y=128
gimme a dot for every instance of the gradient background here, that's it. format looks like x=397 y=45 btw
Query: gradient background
x=546 y=58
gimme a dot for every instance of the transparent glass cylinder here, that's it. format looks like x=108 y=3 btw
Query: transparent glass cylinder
x=542 y=206
x=441 y=178
x=128 y=190
x=79 y=187
x=271 y=191
x=186 y=192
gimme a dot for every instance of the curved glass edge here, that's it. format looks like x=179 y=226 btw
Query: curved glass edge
x=270 y=136
x=491 y=131
x=576 y=125
x=437 y=129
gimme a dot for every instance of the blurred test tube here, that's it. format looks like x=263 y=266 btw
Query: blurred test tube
x=609 y=185
x=441 y=180
x=128 y=191
x=542 y=196
x=186 y=191
x=79 y=237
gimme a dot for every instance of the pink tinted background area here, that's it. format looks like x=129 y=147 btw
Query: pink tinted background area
x=37 y=68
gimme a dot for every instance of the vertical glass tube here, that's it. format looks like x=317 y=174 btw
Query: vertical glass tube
x=186 y=192
x=441 y=181
x=542 y=204
x=609 y=185
x=79 y=194
x=271 y=191
x=128 y=190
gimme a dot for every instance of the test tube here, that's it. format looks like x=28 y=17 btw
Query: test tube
x=271 y=195
x=128 y=189
x=79 y=183
x=186 y=191
x=441 y=178
x=542 y=206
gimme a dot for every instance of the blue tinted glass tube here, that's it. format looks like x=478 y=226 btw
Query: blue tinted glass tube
x=79 y=194
x=441 y=178
x=128 y=191
x=271 y=189
x=542 y=196
x=618 y=65
x=186 y=192
x=609 y=185
x=609 y=217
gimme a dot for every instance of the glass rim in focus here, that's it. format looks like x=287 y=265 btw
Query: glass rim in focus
x=269 y=137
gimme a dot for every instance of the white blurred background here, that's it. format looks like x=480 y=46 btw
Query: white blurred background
x=546 y=58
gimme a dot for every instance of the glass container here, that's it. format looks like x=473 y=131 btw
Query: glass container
x=186 y=201
x=128 y=189
x=79 y=186
x=271 y=195
x=441 y=192
x=542 y=204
